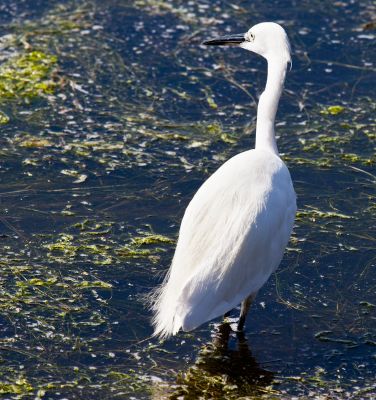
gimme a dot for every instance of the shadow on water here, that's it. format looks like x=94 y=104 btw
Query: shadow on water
x=222 y=371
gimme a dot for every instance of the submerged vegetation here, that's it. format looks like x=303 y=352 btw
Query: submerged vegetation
x=111 y=116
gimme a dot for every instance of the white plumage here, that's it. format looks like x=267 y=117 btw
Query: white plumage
x=236 y=227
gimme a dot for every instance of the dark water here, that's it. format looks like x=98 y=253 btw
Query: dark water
x=95 y=174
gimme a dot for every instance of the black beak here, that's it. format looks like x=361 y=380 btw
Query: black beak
x=227 y=40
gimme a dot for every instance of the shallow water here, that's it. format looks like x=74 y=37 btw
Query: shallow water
x=102 y=150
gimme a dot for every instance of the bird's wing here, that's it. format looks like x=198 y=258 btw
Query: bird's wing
x=226 y=231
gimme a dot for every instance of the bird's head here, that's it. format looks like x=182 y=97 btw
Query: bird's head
x=267 y=39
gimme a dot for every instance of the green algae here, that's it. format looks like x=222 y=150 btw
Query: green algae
x=4 y=119
x=130 y=382
x=112 y=153
x=70 y=247
x=313 y=214
x=20 y=387
x=367 y=305
x=94 y=243
x=146 y=246
x=333 y=110
x=93 y=284
x=151 y=239
x=28 y=75
x=356 y=158
x=335 y=142
x=130 y=252
x=212 y=104
x=30 y=142
x=320 y=162
x=48 y=307
x=323 y=141
x=37 y=282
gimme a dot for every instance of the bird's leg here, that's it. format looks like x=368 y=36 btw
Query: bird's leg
x=246 y=304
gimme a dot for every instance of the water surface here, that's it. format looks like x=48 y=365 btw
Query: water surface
x=122 y=117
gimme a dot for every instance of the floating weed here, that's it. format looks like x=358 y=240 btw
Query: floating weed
x=93 y=284
x=50 y=306
x=332 y=110
x=79 y=177
x=31 y=142
x=130 y=382
x=28 y=75
x=312 y=214
x=114 y=151
x=370 y=134
x=20 y=387
x=37 y=282
x=147 y=245
x=91 y=228
x=320 y=162
x=94 y=243
x=369 y=306
x=199 y=134
x=4 y=119
x=151 y=239
x=129 y=252
x=210 y=100
x=322 y=141
x=340 y=141
x=356 y=158
x=63 y=245
x=325 y=336
x=69 y=247
x=215 y=130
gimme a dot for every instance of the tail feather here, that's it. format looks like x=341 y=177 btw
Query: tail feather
x=165 y=320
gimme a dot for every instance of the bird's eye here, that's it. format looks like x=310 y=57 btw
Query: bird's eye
x=249 y=36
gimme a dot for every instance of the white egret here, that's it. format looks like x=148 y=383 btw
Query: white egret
x=236 y=227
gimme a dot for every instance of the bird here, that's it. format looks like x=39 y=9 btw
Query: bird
x=236 y=227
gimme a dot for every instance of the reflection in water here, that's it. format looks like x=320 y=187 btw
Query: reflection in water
x=220 y=371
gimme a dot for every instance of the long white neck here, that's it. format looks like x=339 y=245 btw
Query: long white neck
x=268 y=105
